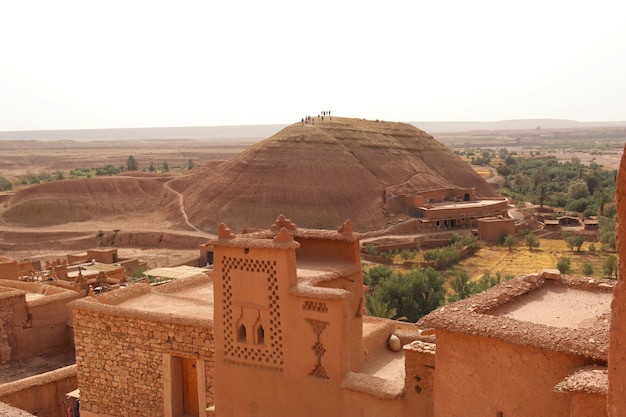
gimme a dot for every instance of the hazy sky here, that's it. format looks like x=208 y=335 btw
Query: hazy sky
x=131 y=63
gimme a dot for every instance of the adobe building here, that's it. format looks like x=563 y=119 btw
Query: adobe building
x=117 y=268
x=34 y=320
x=290 y=336
x=287 y=336
x=146 y=350
x=287 y=323
x=13 y=269
x=493 y=229
x=533 y=346
x=453 y=208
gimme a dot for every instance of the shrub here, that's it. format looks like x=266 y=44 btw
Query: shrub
x=563 y=265
x=587 y=269
x=5 y=184
x=609 y=266
x=531 y=241
x=443 y=257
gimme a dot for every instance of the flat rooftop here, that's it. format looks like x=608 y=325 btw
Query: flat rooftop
x=544 y=310
x=463 y=204
x=177 y=272
x=559 y=306
x=178 y=301
x=172 y=304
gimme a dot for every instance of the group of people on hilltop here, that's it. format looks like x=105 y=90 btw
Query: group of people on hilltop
x=311 y=119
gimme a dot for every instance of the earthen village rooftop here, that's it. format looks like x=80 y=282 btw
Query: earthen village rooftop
x=278 y=325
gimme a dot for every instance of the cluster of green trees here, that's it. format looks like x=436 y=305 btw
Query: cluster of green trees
x=403 y=295
x=462 y=287
x=447 y=256
x=569 y=185
x=413 y=294
x=82 y=172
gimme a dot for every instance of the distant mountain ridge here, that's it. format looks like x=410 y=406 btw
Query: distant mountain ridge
x=518 y=124
x=264 y=131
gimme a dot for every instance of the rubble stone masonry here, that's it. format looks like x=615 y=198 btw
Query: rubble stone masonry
x=121 y=358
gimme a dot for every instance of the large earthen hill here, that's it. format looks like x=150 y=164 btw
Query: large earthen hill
x=320 y=173
x=324 y=172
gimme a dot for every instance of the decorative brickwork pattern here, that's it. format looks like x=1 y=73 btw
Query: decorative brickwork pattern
x=268 y=354
x=319 y=349
x=315 y=306
x=120 y=361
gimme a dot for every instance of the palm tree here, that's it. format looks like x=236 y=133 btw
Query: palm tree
x=602 y=198
x=378 y=308
x=543 y=192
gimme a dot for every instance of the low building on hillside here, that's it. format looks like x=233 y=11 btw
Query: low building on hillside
x=453 y=208
x=494 y=229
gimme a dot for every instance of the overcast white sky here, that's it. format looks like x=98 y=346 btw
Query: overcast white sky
x=100 y=64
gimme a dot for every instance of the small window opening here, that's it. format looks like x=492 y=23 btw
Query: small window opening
x=241 y=333
x=246 y=250
x=260 y=335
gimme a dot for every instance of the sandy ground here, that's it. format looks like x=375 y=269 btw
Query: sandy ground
x=34 y=366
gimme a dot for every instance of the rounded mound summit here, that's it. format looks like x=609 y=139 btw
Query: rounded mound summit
x=324 y=172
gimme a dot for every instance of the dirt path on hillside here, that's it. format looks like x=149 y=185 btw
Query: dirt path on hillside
x=181 y=206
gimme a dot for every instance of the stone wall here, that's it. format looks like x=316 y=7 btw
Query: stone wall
x=121 y=361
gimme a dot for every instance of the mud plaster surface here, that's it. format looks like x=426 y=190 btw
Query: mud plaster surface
x=559 y=306
x=166 y=304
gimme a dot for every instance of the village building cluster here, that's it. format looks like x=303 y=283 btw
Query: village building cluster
x=278 y=326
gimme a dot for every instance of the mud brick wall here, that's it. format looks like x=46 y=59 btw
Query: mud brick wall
x=42 y=394
x=120 y=360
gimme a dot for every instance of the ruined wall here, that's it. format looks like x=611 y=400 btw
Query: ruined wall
x=121 y=361
x=13 y=315
x=480 y=376
x=43 y=394
x=35 y=318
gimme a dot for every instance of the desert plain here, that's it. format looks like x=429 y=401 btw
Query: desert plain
x=27 y=157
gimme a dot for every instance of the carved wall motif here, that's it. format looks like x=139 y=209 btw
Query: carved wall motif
x=319 y=349
x=316 y=306
x=260 y=344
